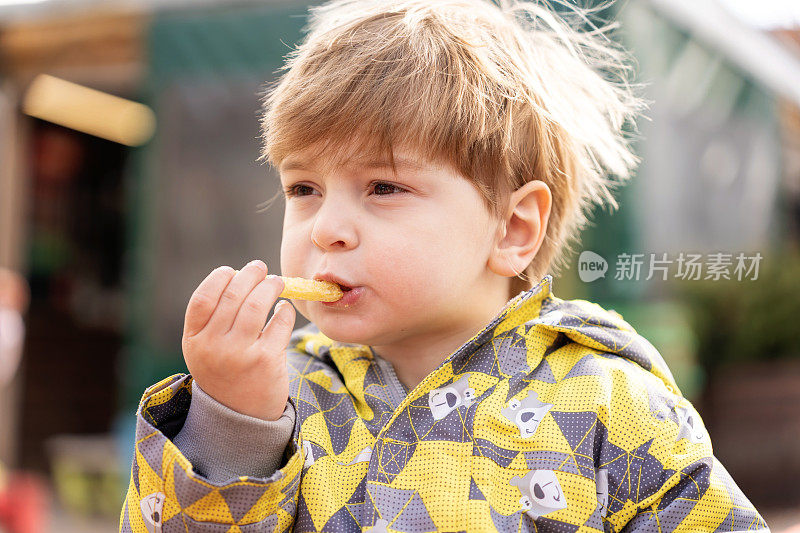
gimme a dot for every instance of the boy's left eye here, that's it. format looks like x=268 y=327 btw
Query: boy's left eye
x=382 y=188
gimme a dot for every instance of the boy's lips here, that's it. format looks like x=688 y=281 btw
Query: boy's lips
x=350 y=298
x=352 y=292
x=341 y=282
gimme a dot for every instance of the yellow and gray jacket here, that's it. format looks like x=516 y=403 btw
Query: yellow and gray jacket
x=557 y=416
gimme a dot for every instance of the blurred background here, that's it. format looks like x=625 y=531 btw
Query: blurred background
x=112 y=234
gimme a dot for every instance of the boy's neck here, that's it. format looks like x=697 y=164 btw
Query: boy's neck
x=414 y=358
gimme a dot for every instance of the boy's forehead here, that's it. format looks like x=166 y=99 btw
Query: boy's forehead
x=317 y=160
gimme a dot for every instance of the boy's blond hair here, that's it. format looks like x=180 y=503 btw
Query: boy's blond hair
x=506 y=93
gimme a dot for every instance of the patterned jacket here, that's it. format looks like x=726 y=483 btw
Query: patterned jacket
x=557 y=416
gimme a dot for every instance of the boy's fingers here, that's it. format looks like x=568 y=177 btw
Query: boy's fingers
x=204 y=300
x=234 y=294
x=278 y=331
x=253 y=313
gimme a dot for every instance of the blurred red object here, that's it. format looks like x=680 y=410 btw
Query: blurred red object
x=24 y=504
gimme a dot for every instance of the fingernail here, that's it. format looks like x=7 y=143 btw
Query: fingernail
x=258 y=262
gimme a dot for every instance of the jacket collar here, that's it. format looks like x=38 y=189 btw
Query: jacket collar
x=512 y=350
x=363 y=373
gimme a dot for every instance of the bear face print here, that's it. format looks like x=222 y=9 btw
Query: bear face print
x=444 y=400
x=152 y=508
x=526 y=414
x=541 y=493
x=689 y=424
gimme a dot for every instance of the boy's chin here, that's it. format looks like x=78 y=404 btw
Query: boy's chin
x=341 y=331
x=345 y=336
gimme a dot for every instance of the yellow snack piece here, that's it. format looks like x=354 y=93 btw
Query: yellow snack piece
x=309 y=289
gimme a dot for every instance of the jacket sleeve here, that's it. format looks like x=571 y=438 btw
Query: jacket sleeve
x=701 y=497
x=222 y=444
x=669 y=479
x=167 y=494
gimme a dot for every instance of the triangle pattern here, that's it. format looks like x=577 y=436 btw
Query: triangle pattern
x=544 y=373
x=474 y=492
x=342 y=520
x=303 y=520
x=389 y=501
x=586 y=366
x=240 y=498
x=414 y=517
x=211 y=507
x=187 y=490
x=151 y=450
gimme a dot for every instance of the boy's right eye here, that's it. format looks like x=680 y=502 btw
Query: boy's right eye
x=298 y=190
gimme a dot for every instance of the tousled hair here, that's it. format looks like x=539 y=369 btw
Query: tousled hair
x=506 y=92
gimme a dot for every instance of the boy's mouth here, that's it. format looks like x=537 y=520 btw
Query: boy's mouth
x=351 y=292
x=350 y=297
x=333 y=279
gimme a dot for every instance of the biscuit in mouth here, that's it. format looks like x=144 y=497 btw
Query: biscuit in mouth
x=312 y=290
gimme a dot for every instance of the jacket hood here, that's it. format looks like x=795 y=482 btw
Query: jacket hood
x=591 y=325
x=581 y=321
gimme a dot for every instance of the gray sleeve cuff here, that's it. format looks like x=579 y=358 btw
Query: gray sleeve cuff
x=222 y=444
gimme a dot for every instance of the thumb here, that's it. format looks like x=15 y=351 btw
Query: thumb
x=278 y=331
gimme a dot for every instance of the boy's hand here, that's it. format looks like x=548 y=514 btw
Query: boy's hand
x=234 y=358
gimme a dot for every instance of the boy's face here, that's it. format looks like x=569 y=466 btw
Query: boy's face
x=413 y=246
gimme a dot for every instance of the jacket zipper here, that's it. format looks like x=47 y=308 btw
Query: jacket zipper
x=396 y=390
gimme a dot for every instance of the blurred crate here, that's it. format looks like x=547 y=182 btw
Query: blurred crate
x=86 y=474
x=753 y=416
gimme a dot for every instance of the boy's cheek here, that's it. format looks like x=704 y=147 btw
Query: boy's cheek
x=301 y=307
x=290 y=266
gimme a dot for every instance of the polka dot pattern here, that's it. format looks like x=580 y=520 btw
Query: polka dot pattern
x=557 y=416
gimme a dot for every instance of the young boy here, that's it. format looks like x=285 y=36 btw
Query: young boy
x=432 y=155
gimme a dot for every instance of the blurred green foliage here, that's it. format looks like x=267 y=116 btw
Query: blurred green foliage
x=748 y=320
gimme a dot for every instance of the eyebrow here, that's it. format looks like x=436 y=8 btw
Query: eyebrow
x=402 y=163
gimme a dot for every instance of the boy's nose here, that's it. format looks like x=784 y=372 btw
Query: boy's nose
x=334 y=227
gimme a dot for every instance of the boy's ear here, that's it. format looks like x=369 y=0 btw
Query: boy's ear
x=523 y=229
